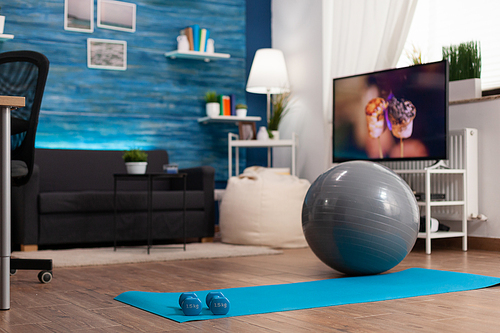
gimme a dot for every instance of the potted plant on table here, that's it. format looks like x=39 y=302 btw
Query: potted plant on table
x=136 y=161
x=464 y=71
x=212 y=104
x=241 y=110
x=279 y=110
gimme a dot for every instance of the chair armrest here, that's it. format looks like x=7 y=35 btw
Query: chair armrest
x=25 y=210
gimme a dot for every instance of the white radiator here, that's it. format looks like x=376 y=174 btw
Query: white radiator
x=463 y=147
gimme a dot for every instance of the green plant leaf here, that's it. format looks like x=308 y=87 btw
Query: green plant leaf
x=279 y=110
x=211 y=97
x=464 y=60
x=135 y=155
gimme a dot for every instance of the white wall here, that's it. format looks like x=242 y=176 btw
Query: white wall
x=485 y=117
x=297 y=31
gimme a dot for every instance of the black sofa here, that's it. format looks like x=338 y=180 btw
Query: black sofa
x=69 y=201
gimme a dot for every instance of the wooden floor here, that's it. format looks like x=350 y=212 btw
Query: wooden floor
x=81 y=299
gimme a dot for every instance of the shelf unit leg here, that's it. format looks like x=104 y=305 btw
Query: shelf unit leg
x=237 y=162
x=229 y=160
x=294 y=147
x=464 y=212
x=427 y=212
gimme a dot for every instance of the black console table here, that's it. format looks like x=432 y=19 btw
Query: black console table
x=149 y=178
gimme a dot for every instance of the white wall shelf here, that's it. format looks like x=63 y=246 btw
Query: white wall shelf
x=196 y=55
x=4 y=37
x=227 y=119
x=427 y=204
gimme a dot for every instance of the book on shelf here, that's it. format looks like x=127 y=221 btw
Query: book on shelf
x=225 y=105
x=233 y=105
x=203 y=39
x=207 y=35
x=189 y=34
x=196 y=37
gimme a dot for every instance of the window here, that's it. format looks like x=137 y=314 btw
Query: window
x=446 y=22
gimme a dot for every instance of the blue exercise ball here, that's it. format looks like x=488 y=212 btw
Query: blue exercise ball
x=360 y=218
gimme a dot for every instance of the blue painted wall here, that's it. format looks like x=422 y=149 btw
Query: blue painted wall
x=258 y=16
x=156 y=102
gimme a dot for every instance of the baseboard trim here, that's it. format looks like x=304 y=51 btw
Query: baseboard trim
x=473 y=243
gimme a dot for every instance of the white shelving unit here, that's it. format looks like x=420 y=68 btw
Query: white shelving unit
x=196 y=55
x=428 y=204
x=227 y=119
x=233 y=142
x=4 y=37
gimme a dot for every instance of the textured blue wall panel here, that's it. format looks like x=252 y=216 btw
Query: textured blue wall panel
x=156 y=102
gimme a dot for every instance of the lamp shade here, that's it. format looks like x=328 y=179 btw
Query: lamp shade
x=268 y=74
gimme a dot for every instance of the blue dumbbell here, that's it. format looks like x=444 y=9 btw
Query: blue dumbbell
x=190 y=304
x=217 y=303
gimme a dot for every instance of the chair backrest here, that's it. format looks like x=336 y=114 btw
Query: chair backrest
x=24 y=73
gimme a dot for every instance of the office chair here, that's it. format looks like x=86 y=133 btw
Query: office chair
x=24 y=73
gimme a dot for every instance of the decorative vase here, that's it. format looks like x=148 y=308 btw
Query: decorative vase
x=210 y=46
x=213 y=109
x=182 y=43
x=136 y=168
x=276 y=135
x=241 y=112
x=465 y=89
x=262 y=134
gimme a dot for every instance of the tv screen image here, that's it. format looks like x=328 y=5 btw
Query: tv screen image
x=396 y=114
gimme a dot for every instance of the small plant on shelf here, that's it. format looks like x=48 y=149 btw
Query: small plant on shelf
x=212 y=106
x=211 y=97
x=464 y=60
x=135 y=155
x=241 y=106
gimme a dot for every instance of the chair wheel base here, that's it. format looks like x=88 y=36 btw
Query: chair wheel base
x=45 y=276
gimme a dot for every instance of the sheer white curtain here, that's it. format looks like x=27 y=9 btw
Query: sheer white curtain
x=362 y=36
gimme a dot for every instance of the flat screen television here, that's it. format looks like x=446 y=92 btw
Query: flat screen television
x=396 y=114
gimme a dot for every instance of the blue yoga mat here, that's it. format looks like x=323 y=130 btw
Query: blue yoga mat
x=305 y=295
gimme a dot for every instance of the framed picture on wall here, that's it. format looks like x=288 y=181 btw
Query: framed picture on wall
x=79 y=15
x=247 y=130
x=107 y=54
x=116 y=15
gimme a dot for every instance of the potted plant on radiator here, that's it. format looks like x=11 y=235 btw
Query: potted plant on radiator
x=136 y=161
x=465 y=70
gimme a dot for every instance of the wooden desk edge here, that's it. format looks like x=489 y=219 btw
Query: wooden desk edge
x=12 y=101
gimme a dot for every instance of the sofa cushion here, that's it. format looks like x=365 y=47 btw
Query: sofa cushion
x=89 y=170
x=102 y=201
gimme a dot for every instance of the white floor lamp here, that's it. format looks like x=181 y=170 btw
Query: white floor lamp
x=268 y=75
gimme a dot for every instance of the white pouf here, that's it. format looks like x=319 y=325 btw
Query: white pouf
x=262 y=207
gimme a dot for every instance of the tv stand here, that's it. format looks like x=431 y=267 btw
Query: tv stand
x=429 y=174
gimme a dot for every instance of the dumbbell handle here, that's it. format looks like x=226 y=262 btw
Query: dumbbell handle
x=211 y=295
x=184 y=296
